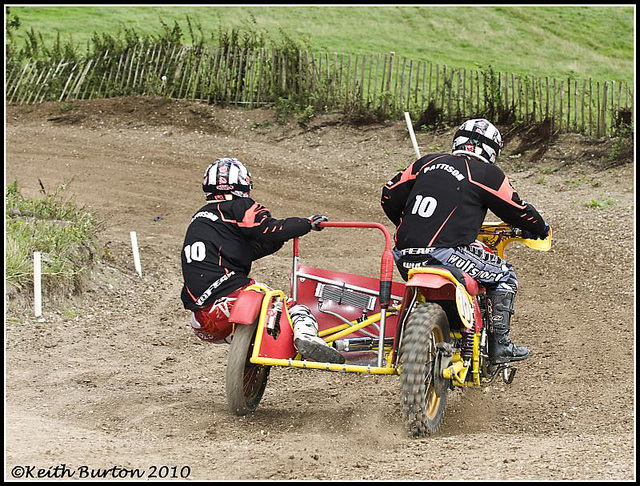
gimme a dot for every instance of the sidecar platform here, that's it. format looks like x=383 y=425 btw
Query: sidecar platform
x=351 y=310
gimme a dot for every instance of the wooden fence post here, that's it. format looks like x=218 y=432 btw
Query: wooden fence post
x=568 y=103
x=369 y=80
x=360 y=92
x=444 y=87
x=522 y=116
x=375 y=79
x=469 y=110
x=546 y=80
x=464 y=92
x=531 y=115
x=590 y=107
x=391 y=57
x=408 y=84
x=604 y=108
x=262 y=60
x=584 y=87
x=598 y=115
x=575 y=106
x=416 y=89
x=561 y=104
x=540 y=101
x=458 y=113
x=613 y=103
x=242 y=66
x=477 y=94
x=394 y=99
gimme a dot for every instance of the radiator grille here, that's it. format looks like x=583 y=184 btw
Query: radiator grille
x=345 y=296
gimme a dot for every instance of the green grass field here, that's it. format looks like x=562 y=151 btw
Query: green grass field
x=578 y=42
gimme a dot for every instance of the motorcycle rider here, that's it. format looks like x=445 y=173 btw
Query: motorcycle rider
x=438 y=204
x=223 y=239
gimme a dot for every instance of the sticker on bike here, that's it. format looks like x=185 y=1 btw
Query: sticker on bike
x=464 y=305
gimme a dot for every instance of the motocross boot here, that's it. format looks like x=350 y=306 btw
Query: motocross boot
x=501 y=348
x=306 y=340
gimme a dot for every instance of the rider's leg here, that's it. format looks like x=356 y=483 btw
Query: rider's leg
x=306 y=340
x=491 y=271
x=500 y=310
x=211 y=322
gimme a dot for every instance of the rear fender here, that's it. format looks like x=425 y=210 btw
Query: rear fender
x=439 y=284
x=246 y=309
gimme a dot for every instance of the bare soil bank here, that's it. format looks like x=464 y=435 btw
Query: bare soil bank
x=115 y=377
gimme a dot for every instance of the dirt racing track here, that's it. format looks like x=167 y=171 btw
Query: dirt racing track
x=114 y=376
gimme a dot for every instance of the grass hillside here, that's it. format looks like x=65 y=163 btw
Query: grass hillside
x=574 y=41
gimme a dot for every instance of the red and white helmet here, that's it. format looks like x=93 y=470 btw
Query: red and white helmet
x=225 y=178
x=479 y=138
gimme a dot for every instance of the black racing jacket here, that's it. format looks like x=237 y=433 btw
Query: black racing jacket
x=441 y=200
x=222 y=241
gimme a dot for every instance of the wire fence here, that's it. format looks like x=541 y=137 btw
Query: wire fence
x=372 y=85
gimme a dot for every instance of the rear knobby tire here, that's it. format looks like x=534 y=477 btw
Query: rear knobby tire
x=245 y=381
x=422 y=407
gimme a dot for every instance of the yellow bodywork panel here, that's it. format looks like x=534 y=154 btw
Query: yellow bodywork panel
x=389 y=369
x=499 y=242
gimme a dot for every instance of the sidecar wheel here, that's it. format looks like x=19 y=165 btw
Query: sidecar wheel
x=245 y=382
x=423 y=395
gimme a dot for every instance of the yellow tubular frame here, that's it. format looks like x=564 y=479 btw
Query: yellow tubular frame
x=457 y=371
x=339 y=331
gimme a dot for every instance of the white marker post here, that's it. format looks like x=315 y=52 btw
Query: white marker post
x=413 y=135
x=136 y=254
x=37 y=284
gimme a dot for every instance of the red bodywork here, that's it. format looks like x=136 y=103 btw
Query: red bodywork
x=247 y=308
x=307 y=288
x=432 y=286
x=436 y=287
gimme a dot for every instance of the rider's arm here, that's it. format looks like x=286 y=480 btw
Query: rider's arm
x=504 y=201
x=256 y=223
x=265 y=248
x=396 y=191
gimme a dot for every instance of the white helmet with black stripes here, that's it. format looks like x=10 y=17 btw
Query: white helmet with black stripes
x=225 y=178
x=479 y=138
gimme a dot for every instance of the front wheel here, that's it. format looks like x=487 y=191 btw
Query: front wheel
x=423 y=391
x=246 y=381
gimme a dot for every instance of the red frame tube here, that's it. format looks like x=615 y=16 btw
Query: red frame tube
x=386 y=262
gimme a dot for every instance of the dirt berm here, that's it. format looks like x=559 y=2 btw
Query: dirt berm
x=114 y=376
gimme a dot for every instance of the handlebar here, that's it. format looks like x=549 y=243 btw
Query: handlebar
x=510 y=232
x=499 y=235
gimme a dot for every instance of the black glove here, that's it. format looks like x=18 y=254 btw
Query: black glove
x=527 y=235
x=315 y=221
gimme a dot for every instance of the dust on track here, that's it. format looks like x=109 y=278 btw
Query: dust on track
x=115 y=377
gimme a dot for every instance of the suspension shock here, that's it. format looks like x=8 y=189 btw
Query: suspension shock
x=466 y=346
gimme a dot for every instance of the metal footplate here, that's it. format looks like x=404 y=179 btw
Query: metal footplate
x=508 y=373
x=506 y=370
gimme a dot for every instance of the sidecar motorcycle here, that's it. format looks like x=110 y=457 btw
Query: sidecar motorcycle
x=429 y=330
